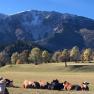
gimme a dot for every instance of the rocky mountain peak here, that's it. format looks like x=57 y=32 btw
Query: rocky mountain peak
x=51 y=30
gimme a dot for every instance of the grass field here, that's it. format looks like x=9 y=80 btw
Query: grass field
x=48 y=72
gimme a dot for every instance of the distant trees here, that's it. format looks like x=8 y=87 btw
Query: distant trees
x=19 y=61
x=75 y=54
x=45 y=56
x=56 y=56
x=35 y=56
x=14 y=57
x=61 y=56
x=87 y=53
x=4 y=58
x=65 y=54
x=23 y=56
x=38 y=56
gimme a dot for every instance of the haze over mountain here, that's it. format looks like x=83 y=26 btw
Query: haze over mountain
x=50 y=30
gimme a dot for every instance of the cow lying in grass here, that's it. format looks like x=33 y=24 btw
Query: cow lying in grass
x=69 y=86
x=54 y=85
x=34 y=84
x=9 y=83
x=30 y=84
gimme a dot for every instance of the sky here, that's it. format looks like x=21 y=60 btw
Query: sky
x=78 y=7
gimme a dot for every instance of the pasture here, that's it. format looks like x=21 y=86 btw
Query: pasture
x=75 y=74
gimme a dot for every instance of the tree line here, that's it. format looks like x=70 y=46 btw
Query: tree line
x=38 y=56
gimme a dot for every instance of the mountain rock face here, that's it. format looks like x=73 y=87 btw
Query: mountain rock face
x=51 y=30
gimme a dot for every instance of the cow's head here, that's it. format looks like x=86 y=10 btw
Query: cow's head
x=85 y=85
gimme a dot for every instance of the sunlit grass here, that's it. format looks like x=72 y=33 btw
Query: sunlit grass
x=46 y=72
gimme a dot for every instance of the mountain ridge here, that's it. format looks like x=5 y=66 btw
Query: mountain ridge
x=51 y=30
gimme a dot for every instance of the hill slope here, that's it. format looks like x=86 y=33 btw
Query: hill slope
x=48 y=29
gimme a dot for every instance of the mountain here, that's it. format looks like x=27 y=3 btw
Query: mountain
x=51 y=30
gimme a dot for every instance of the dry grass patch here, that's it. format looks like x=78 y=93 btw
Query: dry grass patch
x=46 y=72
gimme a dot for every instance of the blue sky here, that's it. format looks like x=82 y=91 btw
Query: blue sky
x=79 y=7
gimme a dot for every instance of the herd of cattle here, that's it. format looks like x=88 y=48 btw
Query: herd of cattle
x=54 y=85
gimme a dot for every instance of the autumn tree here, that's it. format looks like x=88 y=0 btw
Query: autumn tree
x=87 y=54
x=56 y=56
x=92 y=56
x=23 y=56
x=65 y=54
x=14 y=57
x=35 y=56
x=45 y=56
x=60 y=58
x=19 y=61
x=75 y=54
x=4 y=58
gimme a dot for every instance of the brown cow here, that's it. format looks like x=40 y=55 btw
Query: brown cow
x=28 y=84
x=34 y=84
x=67 y=85
x=42 y=84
